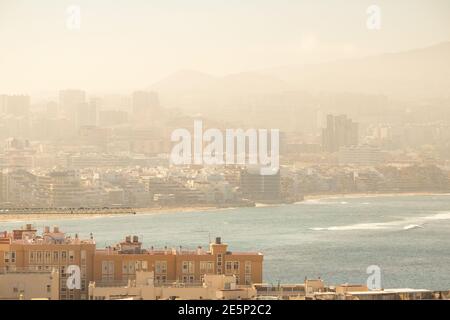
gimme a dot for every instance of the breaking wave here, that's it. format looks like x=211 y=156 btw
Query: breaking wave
x=404 y=224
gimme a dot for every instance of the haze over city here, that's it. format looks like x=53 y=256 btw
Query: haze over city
x=142 y=141
x=128 y=45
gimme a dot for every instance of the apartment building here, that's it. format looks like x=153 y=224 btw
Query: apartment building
x=29 y=284
x=25 y=250
x=60 y=189
x=259 y=187
x=120 y=263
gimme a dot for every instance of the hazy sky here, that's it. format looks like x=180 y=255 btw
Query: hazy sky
x=128 y=44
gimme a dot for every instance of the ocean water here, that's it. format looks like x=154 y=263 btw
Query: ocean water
x=336 y=239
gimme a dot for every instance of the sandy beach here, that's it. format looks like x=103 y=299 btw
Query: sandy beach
x=8 y=217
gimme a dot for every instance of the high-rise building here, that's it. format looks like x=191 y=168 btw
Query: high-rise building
x=259 y=187
x=60 y=189
x=340 y=132
x=363 y=155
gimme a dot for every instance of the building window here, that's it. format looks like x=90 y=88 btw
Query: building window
x=49 y=288
x=137 y=265
x=47 y=257
x=248 y=279
x=128 y=269
x=107 y=270
x=83 y=257
x=63 y=271
x=39 y=256
x=232 y=267
x=188 y=279
x=32 y=256
x=10 y=257
x=161 y=267
x=160 y=279
x=188 y=267
x=228 y=266
x=248 y=267
x=63 y=256
x=206 y=267
x=71 y=256
x=55 y=256
x=219 y=264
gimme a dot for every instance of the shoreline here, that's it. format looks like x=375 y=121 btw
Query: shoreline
x=370 y=195
x=27 y=217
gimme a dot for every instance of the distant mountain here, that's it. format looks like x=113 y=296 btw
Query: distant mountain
x=185 y=81
x=416 y=73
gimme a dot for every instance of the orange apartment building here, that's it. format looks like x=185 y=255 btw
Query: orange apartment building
x=122 y=261
x=25 y=249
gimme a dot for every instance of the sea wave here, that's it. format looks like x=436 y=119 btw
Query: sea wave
x=403 y=224
x=321 y=201
x=439 y=216
x=357 y=226
x=412 y=226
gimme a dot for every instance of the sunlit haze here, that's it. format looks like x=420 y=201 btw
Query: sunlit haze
x=124 y=45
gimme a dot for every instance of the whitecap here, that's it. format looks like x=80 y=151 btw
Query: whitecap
x=403 y=224
x=412 y=226
x=438 y=216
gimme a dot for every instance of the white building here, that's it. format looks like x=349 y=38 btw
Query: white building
x=213 y=287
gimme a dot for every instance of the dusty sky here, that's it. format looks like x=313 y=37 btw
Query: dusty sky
x=124 y=45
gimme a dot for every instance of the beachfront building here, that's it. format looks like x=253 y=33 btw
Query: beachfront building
x=259 y=187
x=26 y=250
